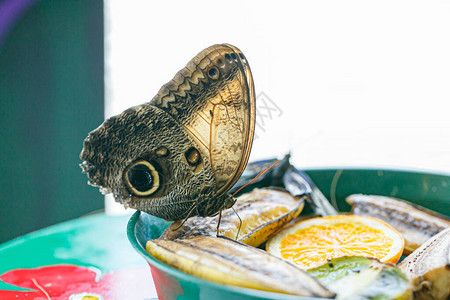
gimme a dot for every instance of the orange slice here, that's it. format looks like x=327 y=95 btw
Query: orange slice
x=312 y=242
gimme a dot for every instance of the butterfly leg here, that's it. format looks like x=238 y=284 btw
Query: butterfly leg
x=218 y=223
x=240 y=223
x=191 y=210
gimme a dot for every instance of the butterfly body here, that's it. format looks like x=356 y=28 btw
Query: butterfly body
x=178 y=155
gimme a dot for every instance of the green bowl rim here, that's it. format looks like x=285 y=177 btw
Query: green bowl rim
x=416 y=171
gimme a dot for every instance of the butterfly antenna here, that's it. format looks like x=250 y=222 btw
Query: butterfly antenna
x=187 y=217
x=256 y=177
x=240 y=223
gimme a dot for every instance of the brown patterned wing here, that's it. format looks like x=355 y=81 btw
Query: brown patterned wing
x=213 y=98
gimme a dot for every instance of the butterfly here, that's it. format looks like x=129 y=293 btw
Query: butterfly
x=178 y=155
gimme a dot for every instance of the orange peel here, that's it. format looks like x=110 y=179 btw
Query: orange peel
x=312 y=242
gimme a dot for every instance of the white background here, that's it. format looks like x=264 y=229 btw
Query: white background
x=359 y=83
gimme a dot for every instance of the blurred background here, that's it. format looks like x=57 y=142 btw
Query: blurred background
x=338 y=84
x=51 y=96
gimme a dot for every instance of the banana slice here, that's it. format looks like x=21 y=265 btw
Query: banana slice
x=417 y=224
x=226 y=261
x=429 y=268
x=263 y=213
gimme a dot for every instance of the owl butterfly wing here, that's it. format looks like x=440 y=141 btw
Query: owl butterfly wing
x=213 y=98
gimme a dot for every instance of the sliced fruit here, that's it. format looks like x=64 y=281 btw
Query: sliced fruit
x=312 y=242
x=416 y=224
x=353 y=277
x=263 y=212
x=428 y=267
x=297 y=182
x=226 y=261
